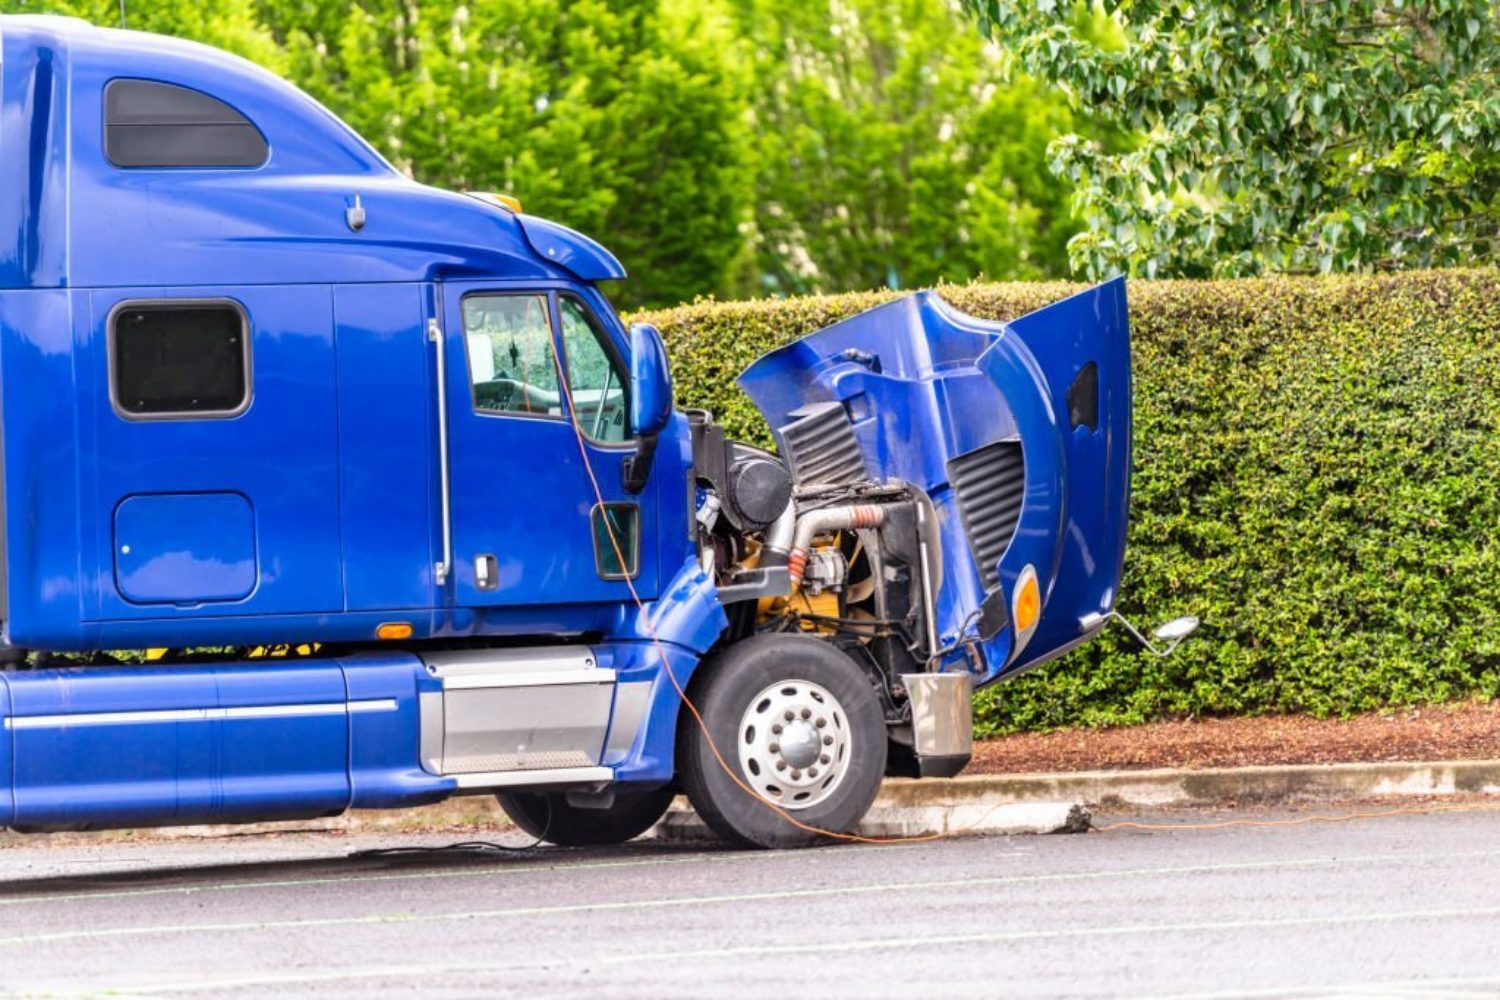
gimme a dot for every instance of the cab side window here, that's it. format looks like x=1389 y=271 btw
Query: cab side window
x=511 y=365
x=596 y=382
x=152 y=124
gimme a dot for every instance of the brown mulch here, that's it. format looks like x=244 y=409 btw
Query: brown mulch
x=1449 y=732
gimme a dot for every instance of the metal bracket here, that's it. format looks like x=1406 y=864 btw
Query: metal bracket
x=1172 y=633
x=441 y=569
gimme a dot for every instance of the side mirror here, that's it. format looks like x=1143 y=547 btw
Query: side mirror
x=650 y=402
x=1177 y=629
x=650 y=382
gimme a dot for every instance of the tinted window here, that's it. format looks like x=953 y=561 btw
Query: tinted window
x=150 y=124
x=179 y=359
x=596 y=382
x=511 y=365
x=617 y=536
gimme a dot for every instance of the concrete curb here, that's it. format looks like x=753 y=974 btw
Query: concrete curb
x=1060 y=802
x=981 y=803
x=1212 y=786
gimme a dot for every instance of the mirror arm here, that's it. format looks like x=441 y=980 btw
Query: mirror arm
x=636 y=468
x=1096 y=621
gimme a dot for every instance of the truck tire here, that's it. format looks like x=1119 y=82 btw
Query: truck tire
x=800 y=724
x=548 y=816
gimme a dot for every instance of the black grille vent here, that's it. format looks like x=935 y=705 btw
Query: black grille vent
x=991 y=483
x=820 y=445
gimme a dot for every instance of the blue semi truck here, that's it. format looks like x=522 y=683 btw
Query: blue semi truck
x=413 y=515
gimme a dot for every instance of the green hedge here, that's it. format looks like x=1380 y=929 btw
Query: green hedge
x=1317 y=475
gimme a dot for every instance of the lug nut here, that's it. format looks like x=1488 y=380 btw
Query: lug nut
x=781 y=765
x=796 y=775
x=807 y=713
x=774 y=748
x=821 y=722
x=789 y=716
x=812 y=772
x=825 y=759
x=776 y=729
x=828 y=741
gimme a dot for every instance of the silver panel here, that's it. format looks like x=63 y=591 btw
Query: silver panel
x=942 y=713
x=631 y=702
x=498 y=662
x=517 y=710
x=558 y=776
x=430 y=716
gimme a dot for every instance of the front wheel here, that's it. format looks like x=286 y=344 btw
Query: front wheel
x=799 y=725
x=548 y=816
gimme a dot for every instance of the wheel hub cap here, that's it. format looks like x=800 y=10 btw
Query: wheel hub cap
x=794 y=745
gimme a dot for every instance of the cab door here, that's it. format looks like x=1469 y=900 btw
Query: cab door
x=536 y=384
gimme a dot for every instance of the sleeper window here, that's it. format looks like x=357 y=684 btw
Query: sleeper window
x=511 y=365
x=152 y=124
x=595 y=380
x=190 y=359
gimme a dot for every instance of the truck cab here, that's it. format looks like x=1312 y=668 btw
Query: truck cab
x=402 y=510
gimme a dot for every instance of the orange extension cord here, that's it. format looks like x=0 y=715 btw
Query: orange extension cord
x=588 y=467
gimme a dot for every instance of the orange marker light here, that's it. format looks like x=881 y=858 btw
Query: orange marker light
x=393 y=630
x=1028 y=604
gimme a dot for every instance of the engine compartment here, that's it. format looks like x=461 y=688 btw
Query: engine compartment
x=811 y=544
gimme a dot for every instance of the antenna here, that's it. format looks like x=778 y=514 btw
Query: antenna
x=122 y=14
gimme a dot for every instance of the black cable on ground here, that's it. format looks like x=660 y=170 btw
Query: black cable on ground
x=468 y=847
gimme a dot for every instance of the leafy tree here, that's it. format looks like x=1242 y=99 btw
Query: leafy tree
x=890 y=150
x=1284 y=135
x=624 y=121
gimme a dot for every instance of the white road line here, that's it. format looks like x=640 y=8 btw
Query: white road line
x=1489 y=985
x=473 y=873
x=928 y=886
x=944 y=941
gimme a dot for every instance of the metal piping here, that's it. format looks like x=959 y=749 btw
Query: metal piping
x=778 y=538
x=814 y=523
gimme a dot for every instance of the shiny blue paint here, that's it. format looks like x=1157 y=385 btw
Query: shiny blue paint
x=520 y=490
x=650 y=381
x=337 y=452
x=570 y=250
x=923 y=383
x=1095 y=467
x=388 y=485
x=184 y=548
x=164 y=772
x=384 y=766
x=681 y=627
x=7 y=797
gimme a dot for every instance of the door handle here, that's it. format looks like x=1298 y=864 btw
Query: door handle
x=486 y=572
x=435 y=335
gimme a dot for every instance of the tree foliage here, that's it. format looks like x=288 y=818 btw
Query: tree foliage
x=890 y=151
x=717 y=146
x=1285 y=135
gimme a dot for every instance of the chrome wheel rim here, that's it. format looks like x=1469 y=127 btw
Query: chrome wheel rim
x=794 y=744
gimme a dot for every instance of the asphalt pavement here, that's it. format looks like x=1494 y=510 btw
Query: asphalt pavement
x=1406 y=906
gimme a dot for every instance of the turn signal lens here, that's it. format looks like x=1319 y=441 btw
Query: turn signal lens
x=393 y=630
x=514 y=204
x=1028 y=604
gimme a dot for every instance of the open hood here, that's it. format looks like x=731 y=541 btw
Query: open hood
x=1019 y=432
